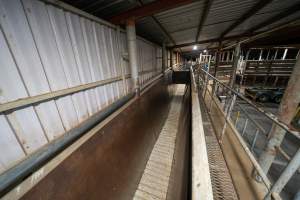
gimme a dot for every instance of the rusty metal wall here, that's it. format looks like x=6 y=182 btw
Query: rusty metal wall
x=110 y=164
x=46 y=48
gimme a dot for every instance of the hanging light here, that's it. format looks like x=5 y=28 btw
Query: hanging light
x=195 y=47
x=204 y=50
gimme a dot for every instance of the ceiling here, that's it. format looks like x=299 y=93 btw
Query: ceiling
x=211 y=20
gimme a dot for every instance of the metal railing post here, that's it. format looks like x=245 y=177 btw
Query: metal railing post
x=227 y=117
x=286 y=112
x=205 y=87
x=254 y=139
x=213 y=94
x=237 y=118
x=245 y=126
x=285 y=175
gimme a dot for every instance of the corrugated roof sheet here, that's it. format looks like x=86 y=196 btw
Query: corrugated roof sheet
x=265 y=13
x=182 y=22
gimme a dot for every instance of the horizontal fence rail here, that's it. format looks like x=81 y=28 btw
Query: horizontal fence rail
x=35 y=100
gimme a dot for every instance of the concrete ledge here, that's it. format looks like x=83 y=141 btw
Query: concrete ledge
x=201 y=181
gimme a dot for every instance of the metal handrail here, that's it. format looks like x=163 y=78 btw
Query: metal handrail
x=251 y=119
x=267 y=114
x=293 y=163
x=256 y=165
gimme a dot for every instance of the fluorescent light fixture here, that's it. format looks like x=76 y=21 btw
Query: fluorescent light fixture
x=195 y=47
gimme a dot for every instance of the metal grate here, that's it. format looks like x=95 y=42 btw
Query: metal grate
x=221 y=180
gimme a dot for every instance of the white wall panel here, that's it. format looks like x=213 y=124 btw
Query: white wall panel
x=28 y=129
x=110 y=59
x=59 y=26
x=13 y=150
x=148 y=63
x=102 y=51
x=22 y=45
x=43 y=49
x=77 y=39
x=45 y=41
x=100 y=60
x=90 y=44
x=8 y=92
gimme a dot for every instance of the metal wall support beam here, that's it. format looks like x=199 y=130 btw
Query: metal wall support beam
x=288 y=11
x=164 y=30
x=164 y=57
x=237 y=52
x=132 y=51
x=148 y=9
x=205 y=12
x=285 y=175
x=171 y=58
x=217 y=59
x=286 y=112
x=160 y=25
x=215 y=40
x=258 y=6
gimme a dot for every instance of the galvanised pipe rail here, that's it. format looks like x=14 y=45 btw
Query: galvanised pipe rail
x=291 y=168
x=251 y=119
x=30 y=164
x=269 y=115
x=257 y=167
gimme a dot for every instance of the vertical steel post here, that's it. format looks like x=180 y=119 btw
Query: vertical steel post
x=227 y=117
x=215 y=85
x=284 y=54
x=121 y=60
x=237 y=118
x=164 y=56
x=285 y=176
x=245 y=126
x=235 y=64
x=254 y=140
x=217 y=59
x=205 y=86
x=171 y=57
x=132 y=52
x=286 y=112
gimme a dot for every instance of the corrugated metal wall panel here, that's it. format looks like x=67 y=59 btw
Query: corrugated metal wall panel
x=146 y=61
x=44 y=48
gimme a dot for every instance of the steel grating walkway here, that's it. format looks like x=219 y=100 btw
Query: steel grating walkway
x=222 y=185
x=156 y=177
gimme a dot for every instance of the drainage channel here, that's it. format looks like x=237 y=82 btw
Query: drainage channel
x=157 y=176
x=222 y=185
